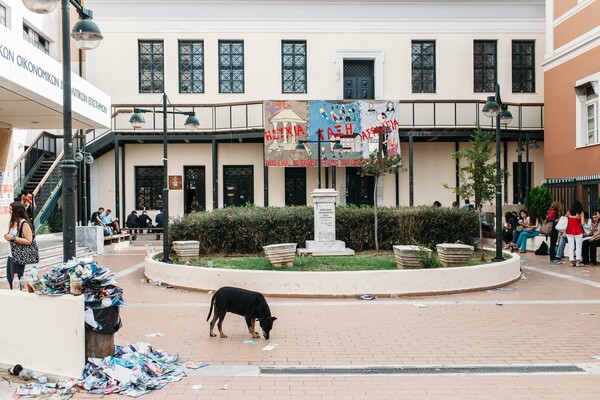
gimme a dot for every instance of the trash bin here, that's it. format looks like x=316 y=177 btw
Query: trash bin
x=100 y=339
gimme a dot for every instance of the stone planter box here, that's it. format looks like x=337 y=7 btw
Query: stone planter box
x=280 y=254
x=407 y=256
x=186 y=249
x=454 y=254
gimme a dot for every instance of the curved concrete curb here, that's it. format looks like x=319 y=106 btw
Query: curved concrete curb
x=315 y=284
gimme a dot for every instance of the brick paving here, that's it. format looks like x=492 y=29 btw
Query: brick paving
x=542 y=319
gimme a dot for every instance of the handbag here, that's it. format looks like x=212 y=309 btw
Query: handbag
x=519 y=228
x=562 y=223
x=546 y=228
x=24 y=253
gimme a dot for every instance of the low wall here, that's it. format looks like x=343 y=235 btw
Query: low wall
x=352 y=283
x=91 y=237
x=43 y=333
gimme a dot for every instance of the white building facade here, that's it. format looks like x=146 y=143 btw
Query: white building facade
x=232 y=62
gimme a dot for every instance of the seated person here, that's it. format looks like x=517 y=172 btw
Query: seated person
x=160 y=219
x=485 y=226
x=144 y=221
x=510 y=224
x=132 y=220
x=96 y=218
x=532 y=229
x=108 y=220
x=591 y=240
x=521 y=221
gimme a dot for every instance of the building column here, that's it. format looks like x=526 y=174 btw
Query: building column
x=6 y=178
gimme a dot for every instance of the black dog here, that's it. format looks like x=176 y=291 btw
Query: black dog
x=251 y=305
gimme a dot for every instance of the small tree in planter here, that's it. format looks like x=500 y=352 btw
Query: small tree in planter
x=477 y=174
x=539 y=199
x=378 y=165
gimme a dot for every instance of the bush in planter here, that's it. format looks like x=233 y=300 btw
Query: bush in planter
x=540 y=200
x=245 y=230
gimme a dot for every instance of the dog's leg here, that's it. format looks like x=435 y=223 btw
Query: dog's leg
x=251 y=329
x=213 y=321
x=220 y=324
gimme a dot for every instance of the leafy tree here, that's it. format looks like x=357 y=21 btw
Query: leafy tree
x=539 y=199
x=378 y=165
x=477 y=174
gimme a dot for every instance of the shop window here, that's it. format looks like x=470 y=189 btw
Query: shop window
x=151 y=66
x=484 y=65
x=231 y=66
x=523 y=66
x=191 y=66
x=423 y=66
x=293 y=67
x=149 y=182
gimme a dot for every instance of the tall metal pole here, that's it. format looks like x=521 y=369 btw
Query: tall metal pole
x=319 y=158
x=68 y=166
x=166 y=186
x=527 y=178
x=498 y=184
x=519 y=170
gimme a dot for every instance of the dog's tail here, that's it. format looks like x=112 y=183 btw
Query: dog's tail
x=212 y=302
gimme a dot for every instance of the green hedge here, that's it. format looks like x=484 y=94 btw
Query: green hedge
x=244 y=230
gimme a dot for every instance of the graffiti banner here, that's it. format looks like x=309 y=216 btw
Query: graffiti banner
x=380 y=127
x=286 y=123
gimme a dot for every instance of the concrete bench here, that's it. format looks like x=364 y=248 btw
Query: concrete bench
x=149 y=234
x=116 y=238
x=93 y=238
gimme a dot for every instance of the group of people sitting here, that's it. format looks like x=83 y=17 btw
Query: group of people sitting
x=582 y=233
x=112 y=225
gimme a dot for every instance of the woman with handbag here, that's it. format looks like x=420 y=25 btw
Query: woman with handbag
x=574 y=233
x=530 y=229
x=554 y=213
x=20 y=233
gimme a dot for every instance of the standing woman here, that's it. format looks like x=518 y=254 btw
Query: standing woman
x=574 y=233
x=554 y=213
x=18 y=222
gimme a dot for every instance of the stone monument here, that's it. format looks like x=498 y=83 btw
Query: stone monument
x=324 y=215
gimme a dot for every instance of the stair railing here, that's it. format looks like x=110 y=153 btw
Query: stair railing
x=47 y=193
x=26 y=165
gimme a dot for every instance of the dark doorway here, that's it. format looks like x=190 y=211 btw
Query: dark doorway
x=359 y=81
x=359 y=189
x=194 y=186
x=238 y=185
x=295 y=186
x=515 y=175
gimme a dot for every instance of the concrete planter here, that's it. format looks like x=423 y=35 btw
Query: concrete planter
x=407 y=256
x=280 y=254
x=454 y=254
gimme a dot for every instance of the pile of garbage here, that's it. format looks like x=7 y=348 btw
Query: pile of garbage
x=133 y=371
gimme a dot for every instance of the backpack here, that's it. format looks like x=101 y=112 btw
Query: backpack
x=542 y=250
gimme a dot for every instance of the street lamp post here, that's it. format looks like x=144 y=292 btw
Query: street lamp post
x=191 y=123
x=87 y=36
x=493 y=109
x=337 y=150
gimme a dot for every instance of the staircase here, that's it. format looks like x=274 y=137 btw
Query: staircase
x=39 y=174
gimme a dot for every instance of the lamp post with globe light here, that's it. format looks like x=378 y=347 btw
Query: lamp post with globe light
x=87 y=36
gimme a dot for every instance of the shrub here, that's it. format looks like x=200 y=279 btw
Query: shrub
x=428 y=259
x=244 y=230
x=539 y=200
x=55 y=220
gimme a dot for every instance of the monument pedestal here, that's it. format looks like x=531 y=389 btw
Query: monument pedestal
x=325 y=243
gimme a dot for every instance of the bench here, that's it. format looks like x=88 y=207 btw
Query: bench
x=144 y=234
x=116 y=238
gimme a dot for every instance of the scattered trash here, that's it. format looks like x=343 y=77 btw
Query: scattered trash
x=393 y=296
x=224 y=387
x=9 y=384
x=210 y=264
x=523 y=277
x=133 y=371
x=51 y=391
x=249 y=341
x=169 y=287
x=366 y=297
x=15 y=369
x=270 y=347
x=587 y=313
x=499 y=304
x=420 y=305
x=187 y=263
x=197 y=387
x=156 y=334
x=596 y=357
x=192 y=364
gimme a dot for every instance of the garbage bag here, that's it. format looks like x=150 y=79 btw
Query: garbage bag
x=107 y=320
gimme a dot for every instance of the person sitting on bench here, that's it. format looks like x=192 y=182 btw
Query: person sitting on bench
x=144 y=221
x=108 y=220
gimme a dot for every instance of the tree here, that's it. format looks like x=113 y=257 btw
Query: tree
x=477 y=175
x=539 y=199
x=378 y=165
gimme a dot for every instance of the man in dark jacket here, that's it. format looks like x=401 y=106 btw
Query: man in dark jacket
x=132 y=220
x=144 y=221
x=160 y=219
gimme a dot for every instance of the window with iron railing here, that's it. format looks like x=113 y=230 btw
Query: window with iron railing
x=149 y=184
x=484 y=65
x=231 y=66
x=293 y=67
x=191 y=66
x=423 y=66
x=151 y=66
x=523 y=66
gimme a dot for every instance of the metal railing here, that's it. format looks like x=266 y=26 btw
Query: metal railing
x=25 y=166
x=47 y=193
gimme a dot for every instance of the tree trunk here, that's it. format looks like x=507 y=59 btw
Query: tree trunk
x=375 y=211
x=480 y=235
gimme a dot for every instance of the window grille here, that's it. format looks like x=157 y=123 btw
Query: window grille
x=231 y=67
x=191 y=67
x=293 y=67
x=523 y=66
x=149 y=182
x=484 y=65
x=151 y=66
x=423 y=67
